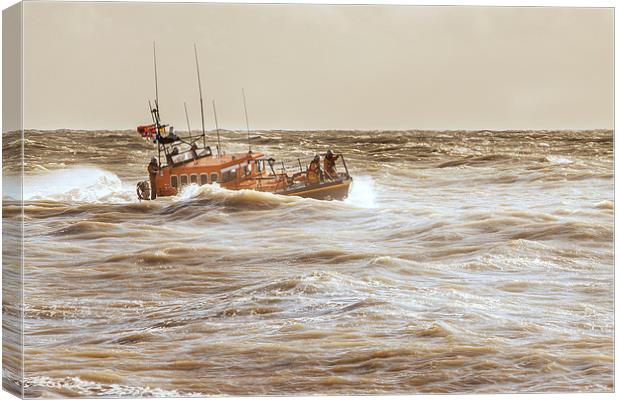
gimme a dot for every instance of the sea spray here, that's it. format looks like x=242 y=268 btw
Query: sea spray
x=77 y=185
x=362 y=193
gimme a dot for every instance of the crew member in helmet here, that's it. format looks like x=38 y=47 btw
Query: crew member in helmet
x=314 y=171
x=329 y=164
x=153 y=169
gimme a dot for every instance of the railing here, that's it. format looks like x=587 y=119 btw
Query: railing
x=176 y=158
x=300 y=168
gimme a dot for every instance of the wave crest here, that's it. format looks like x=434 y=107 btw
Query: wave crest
x=75 y=185
x=245 y=198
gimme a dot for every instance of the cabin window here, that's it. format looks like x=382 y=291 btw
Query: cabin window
x=174 y=181
x=214 y=177
x=183 y=180
x=193 y=178
x=204 y=179
x=229 y=175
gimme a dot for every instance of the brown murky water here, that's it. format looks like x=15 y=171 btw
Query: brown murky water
x=462 y=262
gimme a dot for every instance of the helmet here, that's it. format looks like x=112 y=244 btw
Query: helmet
x=330 y=153
x=153 y=160
x=317 y=158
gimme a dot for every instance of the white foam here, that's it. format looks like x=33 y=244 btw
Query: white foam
x=362 y=193
x=79 y=185
x=92 y=389
x=193 y=191
x=559 y=160
x=216 y=192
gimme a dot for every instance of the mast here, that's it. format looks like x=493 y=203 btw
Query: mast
x=202 y=113
x=189 y=130
x=217 y=128
x=247 y=124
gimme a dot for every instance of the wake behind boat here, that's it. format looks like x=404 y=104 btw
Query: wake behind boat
x=183 y=161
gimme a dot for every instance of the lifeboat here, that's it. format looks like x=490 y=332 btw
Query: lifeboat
x=184 y=161
x=238 y=171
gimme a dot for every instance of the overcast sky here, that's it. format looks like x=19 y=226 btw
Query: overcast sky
x=90 y=66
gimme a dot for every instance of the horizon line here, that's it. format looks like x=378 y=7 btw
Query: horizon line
x=328 y=129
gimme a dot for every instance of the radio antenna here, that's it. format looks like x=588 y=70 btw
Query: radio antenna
x=189 y=130
x=202 y=113
x=217 y=129
x=247 y=124
x=151 y=111
x=155 y=66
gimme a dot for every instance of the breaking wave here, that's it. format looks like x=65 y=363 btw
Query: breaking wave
x=362 y=194
x=74 y=185
x=217 y=195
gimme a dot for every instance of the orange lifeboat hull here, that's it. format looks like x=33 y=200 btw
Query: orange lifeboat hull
x=245 y=171
x=331 y=190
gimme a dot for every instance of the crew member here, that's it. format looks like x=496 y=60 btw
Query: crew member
x=329 y=164
x=170 y=156
x=153 y=169
x=193 y=149
x=143 y=191
x=314 y=171
x=171 y=134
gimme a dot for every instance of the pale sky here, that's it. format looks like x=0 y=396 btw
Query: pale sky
x=90 y=66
